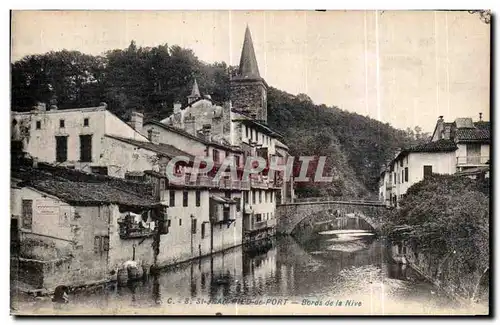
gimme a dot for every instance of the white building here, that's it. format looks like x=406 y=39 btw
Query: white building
x=461 y=147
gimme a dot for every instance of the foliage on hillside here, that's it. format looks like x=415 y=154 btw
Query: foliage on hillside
x=151 y=79
x=447 y=216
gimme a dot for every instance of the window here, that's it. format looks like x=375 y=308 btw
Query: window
x=203 y=230
x=226 y=213
x=253 y=196
x=427 y=171
x=216 y=155
x=101 y=244
x=86 y=121
x=260 y=196
x=193 y=226
x=180 y=222
x=27 y=214
x=402 y=176
x=246 y=131
x=258 y=217
x=245 y=197
x=238 y=204
x=38 y=125
x=265 y=197
x=172 y=198
x=185 y=198
x=61 y=124
x=237 y=160
x=271 y=197
x=406 y=174
x=227 y=194
x=85 y=148
x=401 y=163
x=162 y=184
x=198 y=198
x=61 y=149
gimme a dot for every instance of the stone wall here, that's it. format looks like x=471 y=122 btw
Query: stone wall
x=248 y=95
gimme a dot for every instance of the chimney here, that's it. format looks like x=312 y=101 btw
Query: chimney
x=177 y=107
x=480 y=116
x=207 y=132
x=136 y=120
x=440 y=128
x=189 y=124
x=154 y=136
x=103 y=104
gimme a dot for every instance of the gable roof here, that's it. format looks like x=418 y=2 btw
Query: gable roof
x=474 y=135
x=190 y=136
x=161 y=148
x=74 y=186
x=443 y=145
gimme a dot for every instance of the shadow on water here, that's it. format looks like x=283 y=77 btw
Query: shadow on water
x=312 y=265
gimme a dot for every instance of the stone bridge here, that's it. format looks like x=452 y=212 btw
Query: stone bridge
x=289 y=215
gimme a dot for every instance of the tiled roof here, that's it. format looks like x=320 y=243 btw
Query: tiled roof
x=443 y=145
x=75 y=186
x=190 y=136
x=90 y=193
x=161 y=148
x=472 y=134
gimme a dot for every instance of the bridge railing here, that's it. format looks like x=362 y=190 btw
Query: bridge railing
x=333 y=198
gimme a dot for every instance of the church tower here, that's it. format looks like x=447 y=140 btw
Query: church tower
x=248 y=88
x=195 y=93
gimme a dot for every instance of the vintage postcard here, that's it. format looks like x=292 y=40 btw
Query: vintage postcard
x=250 y=162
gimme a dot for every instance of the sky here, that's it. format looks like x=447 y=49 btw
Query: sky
x=401 y=67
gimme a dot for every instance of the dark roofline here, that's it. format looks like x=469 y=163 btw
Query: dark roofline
x=190 y=136
x=150 y=146
x=422 y=148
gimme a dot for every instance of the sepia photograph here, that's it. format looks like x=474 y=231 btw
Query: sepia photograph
x=250 y=163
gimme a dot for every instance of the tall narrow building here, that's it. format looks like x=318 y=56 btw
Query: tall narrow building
x=248 y=88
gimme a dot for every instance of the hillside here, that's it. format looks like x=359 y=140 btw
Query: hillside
x=152 y=79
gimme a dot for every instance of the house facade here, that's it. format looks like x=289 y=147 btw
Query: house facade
x=461 y=147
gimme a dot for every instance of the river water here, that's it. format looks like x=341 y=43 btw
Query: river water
x=346 y=273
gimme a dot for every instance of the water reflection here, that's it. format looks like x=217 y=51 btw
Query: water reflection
x=279 y=268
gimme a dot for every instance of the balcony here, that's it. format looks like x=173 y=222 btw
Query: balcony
x=211 y=182
x=473 y=160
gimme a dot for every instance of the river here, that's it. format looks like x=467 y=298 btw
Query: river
x=330 y=273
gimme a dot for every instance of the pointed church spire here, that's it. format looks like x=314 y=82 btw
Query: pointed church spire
x=195 y=93
x=248 y=62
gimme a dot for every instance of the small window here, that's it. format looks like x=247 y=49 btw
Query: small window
x=216 y=155
x=38 y=125
x=402 y=176
x=172 y=198
x=227 y=194
x=237 y=161
x=253 y=196
x=193 y=226
x=238 y=204
x=198 y=198
x=203 y=230
x=162 y=184
x=27 y=214
x=246 y=131
x=86 y=121
x=180 y=222
x=260 y=196
x=185 y=198
x=265 y=197
x=61 y=124
x=271 y=198
x=406 y=174
x=401 y=163
x=427 y=171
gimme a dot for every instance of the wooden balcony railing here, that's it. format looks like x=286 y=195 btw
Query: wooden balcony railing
x=472 y=160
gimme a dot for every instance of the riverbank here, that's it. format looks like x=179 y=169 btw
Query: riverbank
x=441 y=229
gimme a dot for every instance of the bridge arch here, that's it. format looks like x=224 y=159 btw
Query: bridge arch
x=289 y=215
